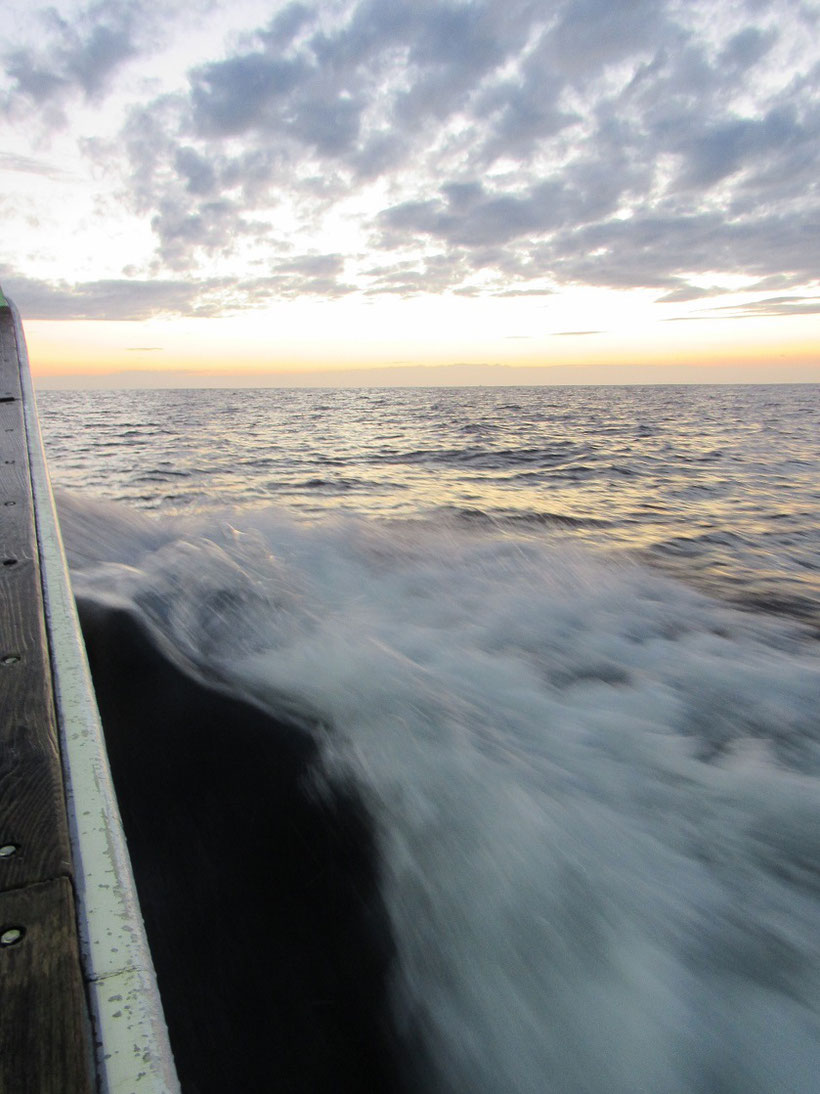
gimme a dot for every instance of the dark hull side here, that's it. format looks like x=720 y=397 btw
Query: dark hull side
x=257 y=876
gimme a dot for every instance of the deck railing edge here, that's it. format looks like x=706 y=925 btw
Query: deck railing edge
x=133 y=1050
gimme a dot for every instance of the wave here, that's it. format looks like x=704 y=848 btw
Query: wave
x=501 y=518
x=482 y=458
x=594 y=789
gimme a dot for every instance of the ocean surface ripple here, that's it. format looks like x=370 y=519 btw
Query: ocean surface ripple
x=567 y=643
x=718 y=485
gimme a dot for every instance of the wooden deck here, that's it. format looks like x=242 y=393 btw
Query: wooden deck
x=45 y=1032
x=80 y=1009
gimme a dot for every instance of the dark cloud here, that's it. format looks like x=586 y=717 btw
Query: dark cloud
x=242 y=93
x=286 y=25
x=593 y=34
x=657 y=251
x=133 y=298
x=722 y=149
x=319 y=94
x=687 y=293
x=212 y=227
x=196 y=171
x=313 y=265
x=107 y=299
x=340 y=94
x=453 y=47
x=510 y=144
x=284 y=283
x=747 y=47
x=609 y=210
x=329 y=125
x=524 y=112
x=470 y=215
x=77 y=54
x=434 y=274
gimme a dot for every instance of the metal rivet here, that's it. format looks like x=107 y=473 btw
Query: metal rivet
x=11 y=936
x=9 y=659
x=8 y=850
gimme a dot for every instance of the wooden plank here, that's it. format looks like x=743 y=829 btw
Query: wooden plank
x=34 y=840
x=131 y=1047
x=44 y=1041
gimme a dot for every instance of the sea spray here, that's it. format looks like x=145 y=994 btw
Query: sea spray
x=595 y=789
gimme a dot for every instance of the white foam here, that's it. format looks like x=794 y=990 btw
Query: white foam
x=596 y=789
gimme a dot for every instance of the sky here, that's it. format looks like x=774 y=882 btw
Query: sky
x=462 y=191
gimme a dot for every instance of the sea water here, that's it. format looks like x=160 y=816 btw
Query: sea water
x=567 y=639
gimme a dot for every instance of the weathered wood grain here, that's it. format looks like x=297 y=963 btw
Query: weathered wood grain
x=34 y=843
x=44 y=1041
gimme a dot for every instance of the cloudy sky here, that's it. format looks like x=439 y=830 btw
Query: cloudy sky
x=239 y=186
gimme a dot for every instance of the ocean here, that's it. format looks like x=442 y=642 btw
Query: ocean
x=567 y=640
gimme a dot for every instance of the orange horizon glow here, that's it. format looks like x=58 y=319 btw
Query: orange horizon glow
x=213 y=347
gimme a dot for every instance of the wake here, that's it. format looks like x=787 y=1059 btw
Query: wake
x=594 y=791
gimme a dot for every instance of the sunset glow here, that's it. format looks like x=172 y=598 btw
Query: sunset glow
x=256 y=191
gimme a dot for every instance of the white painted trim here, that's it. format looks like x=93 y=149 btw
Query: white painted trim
x=133 y=1052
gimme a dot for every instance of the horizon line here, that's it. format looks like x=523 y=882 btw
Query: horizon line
x=469 y=375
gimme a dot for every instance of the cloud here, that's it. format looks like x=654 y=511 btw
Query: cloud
x=313 y=265
x=337 y=80
x=718 y=151
x=310 y=277
x=286 y=25
x=134 y=298
x=212 y=226
x=195 y=170
x=335 y=96
x=474 y=146
x=772 y=306
x=523 y=113
x=748 y=46
x=77 y=54
x=474 y=216
x=107 y=299
x=524 y=292
x=593 y=34
x=242 y=93
x=687 y=293
x=29 y=165
x=656 y=252
x=433 y=274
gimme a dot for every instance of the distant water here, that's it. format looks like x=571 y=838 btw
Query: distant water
x=568 y=640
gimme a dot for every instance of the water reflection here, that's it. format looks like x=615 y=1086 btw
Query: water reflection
x=719 y=483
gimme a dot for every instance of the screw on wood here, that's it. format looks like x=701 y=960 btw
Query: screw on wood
x=10 y=936
x=9 y=659
x=8 y=850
